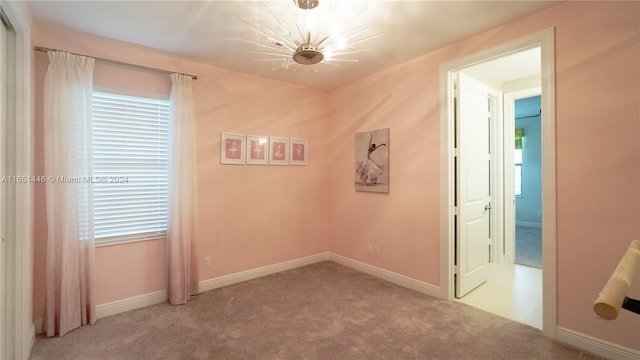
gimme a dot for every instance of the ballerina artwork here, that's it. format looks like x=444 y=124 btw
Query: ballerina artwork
x=278 y=151
x=232 y=149
x=298 y=152
x=372 y=171
x=278 y=154
x=257 y=152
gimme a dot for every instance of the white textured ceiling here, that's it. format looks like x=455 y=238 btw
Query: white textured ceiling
x=211 y=31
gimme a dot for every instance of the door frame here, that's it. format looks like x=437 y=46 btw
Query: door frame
x=3 y=110
x=19 y=329
x=545 y=40
x=497 y=176
x=509 y=138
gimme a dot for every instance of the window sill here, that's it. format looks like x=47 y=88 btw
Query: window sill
x=129 y=241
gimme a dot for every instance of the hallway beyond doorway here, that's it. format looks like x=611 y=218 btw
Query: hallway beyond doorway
x=529 y=246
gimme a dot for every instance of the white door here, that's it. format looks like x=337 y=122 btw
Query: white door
x=473 y=169
x=3 y=118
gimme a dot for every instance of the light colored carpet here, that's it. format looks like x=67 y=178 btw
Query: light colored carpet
x=321 y=311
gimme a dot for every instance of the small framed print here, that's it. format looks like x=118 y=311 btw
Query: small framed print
x=232 y=148
x=278 y=151
x=257 y=150
x=298 y=152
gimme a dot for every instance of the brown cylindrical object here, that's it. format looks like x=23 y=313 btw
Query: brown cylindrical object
x=614 y=292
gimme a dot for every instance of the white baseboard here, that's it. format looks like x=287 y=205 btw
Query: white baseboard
x=226 y=280
x=597 y=346
x=398 y=279
x=158 y=297
x=136 y=302
x=120 y=306
x=529 y=224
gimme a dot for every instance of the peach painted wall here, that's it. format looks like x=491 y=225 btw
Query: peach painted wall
x=249 y=216
x=403 y=224
x=598 y=157
x=597 y=48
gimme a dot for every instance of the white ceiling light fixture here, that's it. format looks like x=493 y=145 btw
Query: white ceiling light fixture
x=308 y=32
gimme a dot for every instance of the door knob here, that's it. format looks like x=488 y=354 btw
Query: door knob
x=487 y=207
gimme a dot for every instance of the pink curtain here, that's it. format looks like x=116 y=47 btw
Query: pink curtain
x=181 y=232
x=70 y=300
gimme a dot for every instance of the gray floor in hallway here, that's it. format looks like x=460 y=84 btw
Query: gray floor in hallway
x=529 y=246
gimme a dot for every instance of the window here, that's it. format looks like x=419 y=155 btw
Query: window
x=517 y=160
x=130 y=168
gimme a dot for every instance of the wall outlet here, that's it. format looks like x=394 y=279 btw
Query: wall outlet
x=375 y=251
x=207 y=262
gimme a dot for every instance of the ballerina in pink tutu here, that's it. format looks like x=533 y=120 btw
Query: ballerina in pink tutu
x=368 y=170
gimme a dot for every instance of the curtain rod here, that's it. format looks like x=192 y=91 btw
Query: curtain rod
x=44 y=49
x=526 y=117
x=530 y=116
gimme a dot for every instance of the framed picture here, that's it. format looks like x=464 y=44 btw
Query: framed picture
x=232 y=148
x=257 y=150
x=372 y=161
x=298 y=151
x=278 y=151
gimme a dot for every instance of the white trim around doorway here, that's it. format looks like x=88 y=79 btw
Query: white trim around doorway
x=19 y=279
x=545 y=40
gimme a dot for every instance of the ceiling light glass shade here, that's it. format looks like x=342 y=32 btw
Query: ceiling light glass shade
x=308 y=54
x=308 y=32
x=306 y=4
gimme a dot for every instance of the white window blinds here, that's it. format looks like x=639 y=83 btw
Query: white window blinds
x=131 y=151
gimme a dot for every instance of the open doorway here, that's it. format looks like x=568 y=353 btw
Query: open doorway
x=487 y=183
x=477 y=66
